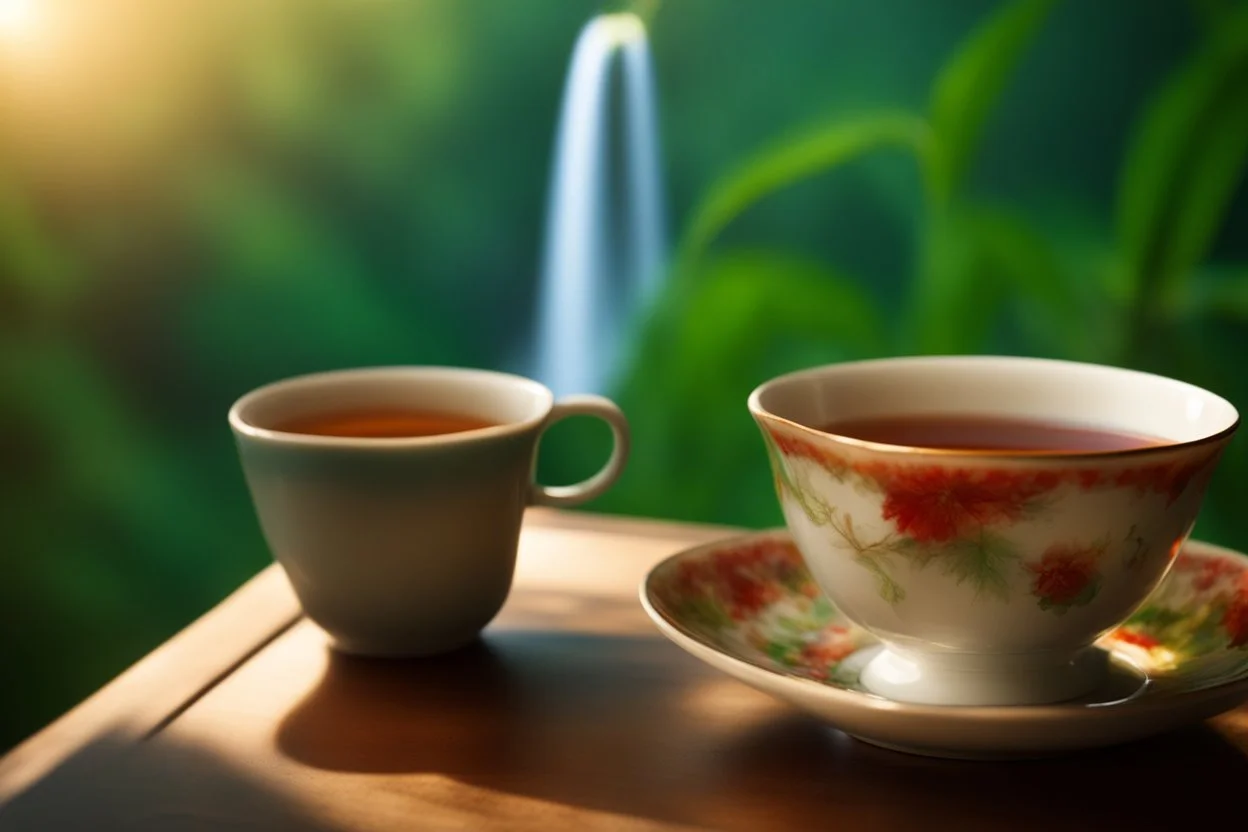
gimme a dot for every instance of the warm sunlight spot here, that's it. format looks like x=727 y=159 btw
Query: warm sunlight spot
x=1149 y=659
x=19 y=20
x=727 y=703
x=1164 y=659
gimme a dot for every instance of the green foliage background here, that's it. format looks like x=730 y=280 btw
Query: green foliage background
x=196 y=198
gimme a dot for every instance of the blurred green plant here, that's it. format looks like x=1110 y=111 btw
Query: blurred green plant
x=984 y=279
x=241 y=214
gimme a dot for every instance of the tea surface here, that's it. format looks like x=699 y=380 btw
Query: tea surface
x=988 y=433
x=383 y=424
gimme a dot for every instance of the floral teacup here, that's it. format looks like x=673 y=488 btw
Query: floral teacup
x=988 y=575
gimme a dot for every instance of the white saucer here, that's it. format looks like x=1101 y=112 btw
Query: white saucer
x=748 y=607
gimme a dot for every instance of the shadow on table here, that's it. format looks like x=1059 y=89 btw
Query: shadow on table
x=631 y=725
x=1169 y=782
x=117 y=784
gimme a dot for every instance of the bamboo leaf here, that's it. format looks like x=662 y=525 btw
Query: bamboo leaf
x=969 y=85
x=956 y=302
x=42 y=272
x=1209 y=189
x=1219 y=294
x=814 y=152
x=1211 y=14
x=744 y=317
x=1015 y=255
x=1189 y=154
x=747 y=299
x=744 y=309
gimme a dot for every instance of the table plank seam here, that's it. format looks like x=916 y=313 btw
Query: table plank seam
x=220 y=677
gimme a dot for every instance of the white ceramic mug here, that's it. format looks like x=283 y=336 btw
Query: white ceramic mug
x=406 y=546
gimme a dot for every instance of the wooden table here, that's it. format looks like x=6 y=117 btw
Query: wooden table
x=570 y=713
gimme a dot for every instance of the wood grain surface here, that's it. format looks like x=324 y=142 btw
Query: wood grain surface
x=570 y=712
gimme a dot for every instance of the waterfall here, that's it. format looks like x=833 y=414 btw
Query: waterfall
x=600 y=268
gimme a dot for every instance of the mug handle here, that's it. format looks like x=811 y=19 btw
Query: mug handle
x=595 y=486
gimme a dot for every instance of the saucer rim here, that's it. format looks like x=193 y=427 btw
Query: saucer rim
x=1150 y=698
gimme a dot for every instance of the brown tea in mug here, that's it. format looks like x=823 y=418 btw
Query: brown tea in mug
x=383 y=423
x=988 y=433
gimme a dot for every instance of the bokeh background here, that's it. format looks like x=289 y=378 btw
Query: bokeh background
x=199 y=196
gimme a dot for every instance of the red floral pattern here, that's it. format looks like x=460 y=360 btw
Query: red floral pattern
x=1066 y=576
x=796 y=446
x=759 y=594
x=1137 y=638
x=1209 y=571
x=957 y=515
x=1169 y=478
x=1090 y=478
x=1213 y=589
x=937 y=503
x=741 y=578
x=1235 y=619
x=822 y=656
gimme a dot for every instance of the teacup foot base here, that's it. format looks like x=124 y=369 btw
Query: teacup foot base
x=964 y=679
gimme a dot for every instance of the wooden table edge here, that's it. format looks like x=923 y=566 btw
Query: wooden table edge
x=161 y=685
x=163 y=682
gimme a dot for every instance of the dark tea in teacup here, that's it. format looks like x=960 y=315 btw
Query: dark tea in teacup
x=972 y=432
x=383 y=423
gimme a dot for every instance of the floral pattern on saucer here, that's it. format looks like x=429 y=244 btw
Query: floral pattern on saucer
x=758 y=597
x=1195 y=623
x=755 y=599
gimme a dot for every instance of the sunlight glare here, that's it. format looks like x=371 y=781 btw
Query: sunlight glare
x=18 y=19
